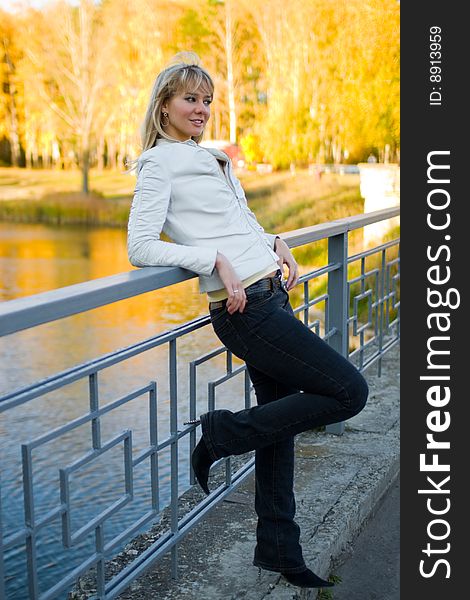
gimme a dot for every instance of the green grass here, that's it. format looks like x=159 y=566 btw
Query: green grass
x=67 y=209
x=328 y=593
x=24 y=184
x=281 y=202
x=51 y=196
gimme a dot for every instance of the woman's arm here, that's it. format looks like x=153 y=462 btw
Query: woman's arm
x=232 y=283
x=146 y=220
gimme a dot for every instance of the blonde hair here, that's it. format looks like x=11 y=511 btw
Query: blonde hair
x=183 y=73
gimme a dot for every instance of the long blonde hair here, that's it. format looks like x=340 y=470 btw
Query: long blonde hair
x=184 y=73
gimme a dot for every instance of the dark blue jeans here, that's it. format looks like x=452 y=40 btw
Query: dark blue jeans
x=300 y=383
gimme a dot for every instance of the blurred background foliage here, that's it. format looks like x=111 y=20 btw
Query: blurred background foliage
x=309 y=81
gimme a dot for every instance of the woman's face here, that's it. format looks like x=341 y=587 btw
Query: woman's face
x=187 y=114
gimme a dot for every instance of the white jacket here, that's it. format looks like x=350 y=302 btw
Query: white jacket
x=181 y=191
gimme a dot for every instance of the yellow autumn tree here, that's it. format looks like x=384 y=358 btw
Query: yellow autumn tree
x=315 y=82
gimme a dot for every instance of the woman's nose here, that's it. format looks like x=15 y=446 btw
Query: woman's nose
x=203 y=108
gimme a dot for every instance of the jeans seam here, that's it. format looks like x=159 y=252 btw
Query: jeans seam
x=302 y=363
x=274 y=508
x=274 y=495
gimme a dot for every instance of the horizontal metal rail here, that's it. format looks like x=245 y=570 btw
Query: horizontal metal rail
x=45 y=307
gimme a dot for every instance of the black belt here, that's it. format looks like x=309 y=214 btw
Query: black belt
x=265 y=284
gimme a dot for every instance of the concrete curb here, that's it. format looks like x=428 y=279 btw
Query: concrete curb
x=346 y=519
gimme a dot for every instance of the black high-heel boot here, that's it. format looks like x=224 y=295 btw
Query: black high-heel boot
x=307 y=579
x=201 y=462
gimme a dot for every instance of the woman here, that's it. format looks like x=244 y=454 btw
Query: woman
x=191 y=194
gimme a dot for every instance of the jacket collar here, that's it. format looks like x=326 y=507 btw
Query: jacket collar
x=163 y=140
x=214 y=151
x=217 y=153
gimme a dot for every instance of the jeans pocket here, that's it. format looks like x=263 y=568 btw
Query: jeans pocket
x=258 y=298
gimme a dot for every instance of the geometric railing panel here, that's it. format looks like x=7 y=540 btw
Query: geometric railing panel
x=69 y=537
x=358 y=300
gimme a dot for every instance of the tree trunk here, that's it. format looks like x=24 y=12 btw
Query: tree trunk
x=27 y=153
x=230 y=80
x=14 y=137
x=85 y=169
x=111 y=153
x=46 y=157
x=11 y=87
x=387 y=153
x=120 y=158
x=336 y=151
x=55 y=155
x=34 y=154
x=100 y=153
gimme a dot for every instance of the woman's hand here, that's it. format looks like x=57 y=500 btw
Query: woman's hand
x=286 y=258
x=233 y=285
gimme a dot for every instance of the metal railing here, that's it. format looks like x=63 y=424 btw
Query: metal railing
x=351 y=301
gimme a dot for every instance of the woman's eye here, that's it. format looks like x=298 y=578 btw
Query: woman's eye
x=193 y=99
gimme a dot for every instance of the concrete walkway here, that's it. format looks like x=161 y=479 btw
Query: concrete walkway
x=340 y=481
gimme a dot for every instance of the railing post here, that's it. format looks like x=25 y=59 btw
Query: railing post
x=173 y=369
x=338 y=302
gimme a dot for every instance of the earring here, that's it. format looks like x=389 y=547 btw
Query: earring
x=165 y=116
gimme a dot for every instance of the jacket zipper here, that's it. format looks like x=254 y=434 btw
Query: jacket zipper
x=228 y=182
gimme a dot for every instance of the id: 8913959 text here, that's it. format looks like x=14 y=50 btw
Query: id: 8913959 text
x=435 y=69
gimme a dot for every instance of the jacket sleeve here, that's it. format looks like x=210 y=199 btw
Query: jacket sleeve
x=147 y=219
x=270 y=237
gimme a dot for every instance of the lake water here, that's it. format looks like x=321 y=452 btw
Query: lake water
x=37 y=258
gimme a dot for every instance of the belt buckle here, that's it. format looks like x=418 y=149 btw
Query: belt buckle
x=216 y=304
x=283 y=283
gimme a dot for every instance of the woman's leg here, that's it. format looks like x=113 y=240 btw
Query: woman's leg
x=277 y=534
x=277 y=344
x=282 y=355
